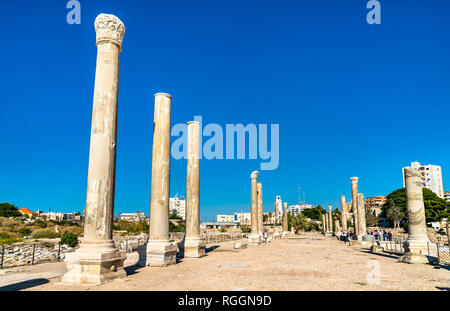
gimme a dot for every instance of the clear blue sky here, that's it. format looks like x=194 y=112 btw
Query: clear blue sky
x=351 y=99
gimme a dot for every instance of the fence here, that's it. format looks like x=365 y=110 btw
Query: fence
x=436 y=251
x=32 y=253
x=52 y=251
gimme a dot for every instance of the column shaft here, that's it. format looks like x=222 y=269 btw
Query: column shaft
x=160 y=186
x=343 y=213
x=354 y=181
x=193 y=181
x=260 y=209
x=361 y=215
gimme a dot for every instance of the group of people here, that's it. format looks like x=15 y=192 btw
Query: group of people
x=381 y=235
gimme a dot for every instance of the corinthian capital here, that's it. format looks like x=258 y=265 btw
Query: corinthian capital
x=109 y=29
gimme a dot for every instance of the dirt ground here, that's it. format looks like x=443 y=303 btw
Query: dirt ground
x=307 y=262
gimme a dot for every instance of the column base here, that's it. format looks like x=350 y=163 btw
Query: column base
x=94 y=263
x=157 y=253
x=413 y=258
x=254 y=239
x=194 y=248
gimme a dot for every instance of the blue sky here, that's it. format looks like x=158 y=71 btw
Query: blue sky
x=351 y=99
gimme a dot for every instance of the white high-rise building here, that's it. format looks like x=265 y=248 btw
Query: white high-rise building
x=177 y=207
x=298 y=208
x=278 y=209
x=431 y=177
x=243 y=218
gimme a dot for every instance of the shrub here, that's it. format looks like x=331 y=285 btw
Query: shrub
x=24 y=231
x=44 y=234
x=69 y=239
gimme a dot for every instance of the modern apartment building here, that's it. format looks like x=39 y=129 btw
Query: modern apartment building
x=431 y=177
x=177 y=207
x=225 y=218
x=374 y=204
x=298 y=208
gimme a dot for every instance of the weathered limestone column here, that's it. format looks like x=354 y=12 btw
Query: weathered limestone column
x=159 y=251
x=194 y=246
x=337 y=227
x=254 y=238
x=324 y=223
x=330 y=218
x=354 y=181
x=285 y=219
x=98 y=260
x=416 y=244
x=260 y=209
x=343 y=213
x=361 y=216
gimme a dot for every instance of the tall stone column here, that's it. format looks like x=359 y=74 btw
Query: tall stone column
x=361 y=216
x=416 y=244
x=327 y=223
x=337 y=228
x=285 y=218
x=194 y=246
x=98 y=260
x=324 y=223
x=354 y=181
x=158 y=251
x=343 y=213
x=254 y=238
x=260 y=209
x=330 y=218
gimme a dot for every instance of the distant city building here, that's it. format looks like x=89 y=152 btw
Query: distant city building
x=177 y=207
x=243 y=218
x=447 y=196
x=132 y=217
x=26 y=211
x=374 y=204
x=218 y=225
x=431 y=177
x=296 y=209
x=225 y=218
x=58 y=216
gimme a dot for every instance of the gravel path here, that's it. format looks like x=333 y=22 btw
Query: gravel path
x=308 y=262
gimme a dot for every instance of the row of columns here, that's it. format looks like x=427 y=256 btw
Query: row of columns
x=359 y=211
x=98 y=260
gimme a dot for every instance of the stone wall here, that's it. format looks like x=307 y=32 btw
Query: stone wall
x=44 y=251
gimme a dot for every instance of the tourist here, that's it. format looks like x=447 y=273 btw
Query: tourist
x=265 y=236
x=375 y=235
x=389 y=236
x=380 y=235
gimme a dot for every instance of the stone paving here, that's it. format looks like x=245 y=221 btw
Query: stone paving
x=307 y=262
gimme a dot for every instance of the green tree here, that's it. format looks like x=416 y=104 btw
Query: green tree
x=298 y=222
x=314 y=213
x=435 y=207
x=9 y=210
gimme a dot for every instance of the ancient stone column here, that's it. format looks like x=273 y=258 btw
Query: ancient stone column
x=416 y=244
x=254 y=238
x=98 y=260
x=343 y=213
x=361 y=216
x=158 y=251
x=354 y=181
x=260 y=209
x=324 y=223
x=194 y=246
x=330 y=218
x=285 y=218
x=337 y=227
